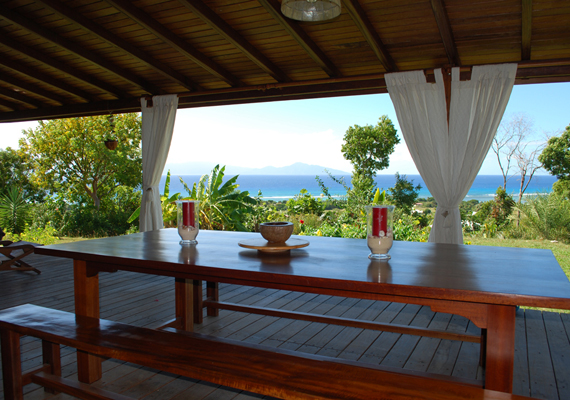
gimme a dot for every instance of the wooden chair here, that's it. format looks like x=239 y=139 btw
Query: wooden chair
x=14 y=252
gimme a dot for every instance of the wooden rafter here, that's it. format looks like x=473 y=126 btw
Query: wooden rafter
x=77 y=49
x=359 y=17
x=15 y=95
x=445 y=31
x=31 y=88
x=231 y=35
x=45 y=78
x=174 y=41
x=73 y=72
x=301 y=37
x=123 y=45
x=526 y=29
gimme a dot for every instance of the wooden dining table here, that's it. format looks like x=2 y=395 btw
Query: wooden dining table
x=483 y=284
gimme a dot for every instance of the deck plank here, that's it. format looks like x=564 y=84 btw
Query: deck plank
x=542 y=354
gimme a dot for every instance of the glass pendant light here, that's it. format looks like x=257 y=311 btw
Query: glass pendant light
x=310 y=10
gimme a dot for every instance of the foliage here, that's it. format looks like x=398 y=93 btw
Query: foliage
x=404 y=195
x=69 y=157
x=222 y=205
x=555 y=158
x=409 y=228
x=46 y=235
x=562 y=187
x=545 y=217
x=502 y=209
x=14 y=210
x=262 y=211
x=304 y=203
x=15 y=171
x=168 y=204
x=368 y=149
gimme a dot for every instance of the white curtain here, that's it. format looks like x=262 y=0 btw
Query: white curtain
x=157 y=128
x=449 y=158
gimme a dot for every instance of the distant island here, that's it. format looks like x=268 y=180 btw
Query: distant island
x=201 y=168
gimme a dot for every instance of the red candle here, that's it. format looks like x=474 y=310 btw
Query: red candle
x=188 y=213
x=379 y=220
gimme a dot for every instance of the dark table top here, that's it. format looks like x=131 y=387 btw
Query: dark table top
x=495 y=275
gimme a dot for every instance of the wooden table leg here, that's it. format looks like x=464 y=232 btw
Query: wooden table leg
x=500 y=348
x=86 y=287
x=184 y=292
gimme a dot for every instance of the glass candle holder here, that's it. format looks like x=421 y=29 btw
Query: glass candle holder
x=188 y=219
x=379 y=231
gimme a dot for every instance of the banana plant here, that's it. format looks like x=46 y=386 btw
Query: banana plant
x=222 y=205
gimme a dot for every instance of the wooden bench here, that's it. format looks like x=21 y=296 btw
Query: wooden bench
x=253 y=368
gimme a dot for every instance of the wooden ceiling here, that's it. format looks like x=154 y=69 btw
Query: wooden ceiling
x=63 y=58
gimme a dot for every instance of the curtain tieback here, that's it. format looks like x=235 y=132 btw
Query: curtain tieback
x=447 y=222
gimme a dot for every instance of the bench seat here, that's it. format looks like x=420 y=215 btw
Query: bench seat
x=254 y=368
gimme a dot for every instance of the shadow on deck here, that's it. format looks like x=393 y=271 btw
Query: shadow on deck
x=542 y=354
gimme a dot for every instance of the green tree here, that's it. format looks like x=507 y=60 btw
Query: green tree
x=15 y=171
x=555 y=158
x=404 y=194
x=222 y=205
x=368 y=149
x=70 y=158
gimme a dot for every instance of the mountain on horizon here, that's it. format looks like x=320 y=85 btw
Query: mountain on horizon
x=201 y=168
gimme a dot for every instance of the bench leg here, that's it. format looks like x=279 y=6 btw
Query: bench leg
x=11 y=365
x=51 y=356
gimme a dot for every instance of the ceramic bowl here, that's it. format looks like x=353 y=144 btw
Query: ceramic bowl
x=276 y=232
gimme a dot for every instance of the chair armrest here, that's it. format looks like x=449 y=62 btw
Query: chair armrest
x=5 y=242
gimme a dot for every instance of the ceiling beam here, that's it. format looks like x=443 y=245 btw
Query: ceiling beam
x=16 y=95
x=445 y=31
x=44 y=78
x=301 y=37
x=526 y=22
x=174 y=41
x=107 y=36
x=263 y=93
x=361 y=20
x=78 y=50
x=65 y=68
x=223 y=28
x=31 y=88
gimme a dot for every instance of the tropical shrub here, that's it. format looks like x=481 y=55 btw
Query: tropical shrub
x=45 y=235
x=544 y=217
x=305 y=203
x=14 y=211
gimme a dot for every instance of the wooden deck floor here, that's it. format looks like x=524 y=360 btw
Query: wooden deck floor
x=542 y=364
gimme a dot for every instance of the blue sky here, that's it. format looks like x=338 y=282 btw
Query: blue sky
x=311 y=131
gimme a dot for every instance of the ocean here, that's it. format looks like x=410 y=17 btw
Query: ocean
x=283 y=187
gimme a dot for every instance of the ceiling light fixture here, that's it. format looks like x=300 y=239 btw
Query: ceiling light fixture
x=310 y=10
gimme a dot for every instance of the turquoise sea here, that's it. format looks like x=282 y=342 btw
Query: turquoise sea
x=283 y=187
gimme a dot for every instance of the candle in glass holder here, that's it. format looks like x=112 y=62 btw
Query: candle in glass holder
x=188 y=225
x=380 y=236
